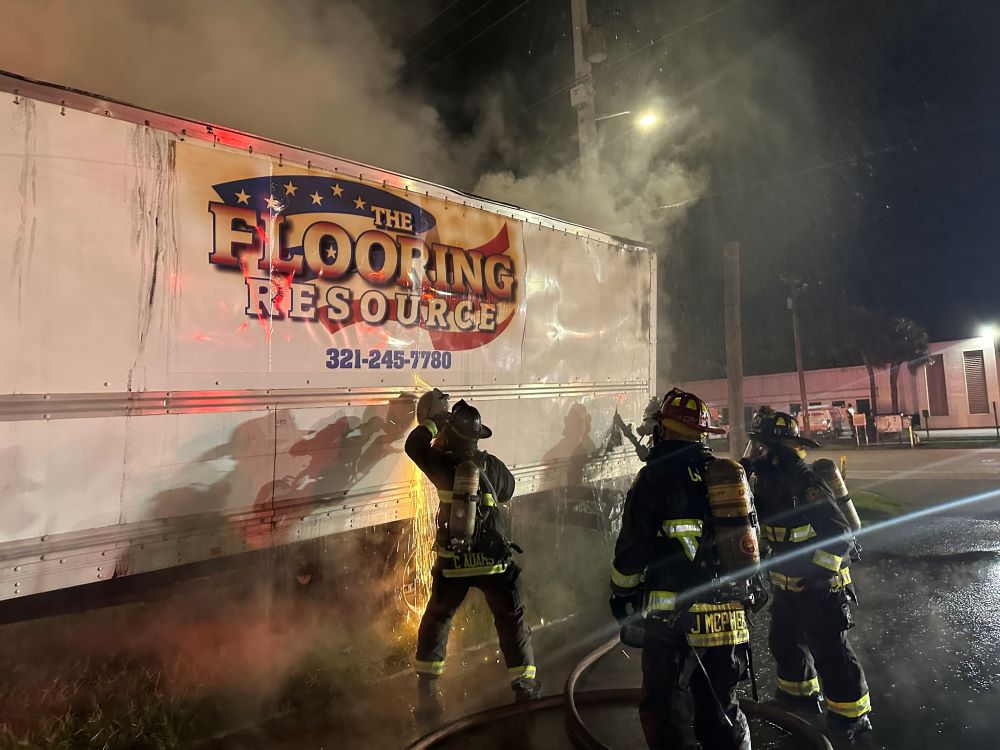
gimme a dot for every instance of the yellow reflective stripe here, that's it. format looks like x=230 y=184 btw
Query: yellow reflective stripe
x=785 y=582
x=528 y=672
x=775 y=533
x=428 y=667
x=445 y=553
x=806 y=687
x=488 y=499
x=623 y=581
x=801 y=533
x=685 y=531
x=826 y=560
x=690 y=548
x=683 y=526
x=843 y=578
x=724 y=607
x=730 y=638
x=431 y=426
x=663 y=601
x=483 y=570
x=851 y=710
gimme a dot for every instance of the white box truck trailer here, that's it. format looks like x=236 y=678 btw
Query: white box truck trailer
x=212 y=341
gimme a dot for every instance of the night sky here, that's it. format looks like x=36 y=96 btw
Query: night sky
x=853 y=143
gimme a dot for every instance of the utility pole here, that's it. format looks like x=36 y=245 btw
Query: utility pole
x=734 y=352
x=795 y=287
x=582 y=93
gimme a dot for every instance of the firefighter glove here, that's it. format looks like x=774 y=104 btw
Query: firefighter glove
x=626 y=608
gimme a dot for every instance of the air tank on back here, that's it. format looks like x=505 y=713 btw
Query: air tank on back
x=731 y=504
x=464 y=504
x=829 y=473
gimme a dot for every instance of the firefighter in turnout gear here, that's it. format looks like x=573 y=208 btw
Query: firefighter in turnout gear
x=811 y=546
x=471 y=551
x=666 y=580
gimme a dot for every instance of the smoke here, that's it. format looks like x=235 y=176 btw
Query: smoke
x=322 y=75
x=326 y=76
x=655 y=169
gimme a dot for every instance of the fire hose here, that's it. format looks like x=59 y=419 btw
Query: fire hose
x=582 y=737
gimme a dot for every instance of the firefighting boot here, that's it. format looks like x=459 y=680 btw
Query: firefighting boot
x=526 y=689
x=428 y=711
x=808 y=705
x=847 y=728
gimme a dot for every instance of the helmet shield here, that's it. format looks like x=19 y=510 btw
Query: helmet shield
x=778 y=427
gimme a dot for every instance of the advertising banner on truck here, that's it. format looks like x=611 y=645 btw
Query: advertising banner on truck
x=249 y=326
x=305 y=271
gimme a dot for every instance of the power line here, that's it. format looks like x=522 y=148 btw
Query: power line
x=617 y=60
x=674 y=32
x=469 y=41
x=852 y=160
x=429 y=23
x=438 y=38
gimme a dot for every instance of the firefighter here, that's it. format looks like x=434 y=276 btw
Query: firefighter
x=811 y=545
x=441 y=443
x=666 y=577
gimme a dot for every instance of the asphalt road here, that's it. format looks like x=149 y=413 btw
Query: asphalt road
x=925 y=477
x=927 y=629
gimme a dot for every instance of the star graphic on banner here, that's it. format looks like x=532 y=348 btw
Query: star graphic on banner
x=273 y=204
x=317 y=198
x=290 y=188
x=358 y=203
x=242 y=197
x=337 y=190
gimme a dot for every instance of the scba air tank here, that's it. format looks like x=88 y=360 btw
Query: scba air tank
x=830 y=474
x=464 y=505
x=731 y=504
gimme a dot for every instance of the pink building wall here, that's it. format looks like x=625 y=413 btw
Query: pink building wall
x=850 y=384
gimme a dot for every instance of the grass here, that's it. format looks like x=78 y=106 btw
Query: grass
x=165 y=677
x=112 y=706
x=124 y=703
x=876 y=504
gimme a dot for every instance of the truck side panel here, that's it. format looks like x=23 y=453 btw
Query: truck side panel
x=213 y=349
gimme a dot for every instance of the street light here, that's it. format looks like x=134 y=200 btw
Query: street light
x=647 y=120
x=611 y=117
x=988 y=331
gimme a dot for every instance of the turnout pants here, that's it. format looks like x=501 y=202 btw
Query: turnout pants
x=677 y=708
x=808 y=638
x=503 y=595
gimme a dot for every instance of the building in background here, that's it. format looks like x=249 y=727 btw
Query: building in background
x=957 y=386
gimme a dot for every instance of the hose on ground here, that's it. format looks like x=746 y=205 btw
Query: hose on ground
x=585 y=739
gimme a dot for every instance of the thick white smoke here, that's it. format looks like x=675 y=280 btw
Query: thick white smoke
x=638 y=173
x=326 y=76
x=322 y=75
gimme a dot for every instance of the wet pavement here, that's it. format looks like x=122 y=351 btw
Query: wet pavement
x=928 y=634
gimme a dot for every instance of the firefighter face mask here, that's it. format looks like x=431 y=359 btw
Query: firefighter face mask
x=755 y=449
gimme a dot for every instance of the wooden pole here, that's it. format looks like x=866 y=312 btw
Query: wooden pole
x=734 y=352
x=793 y=306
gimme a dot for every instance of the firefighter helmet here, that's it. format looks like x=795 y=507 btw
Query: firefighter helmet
x=685 y=413
x=777 y=427
x=466 y=423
